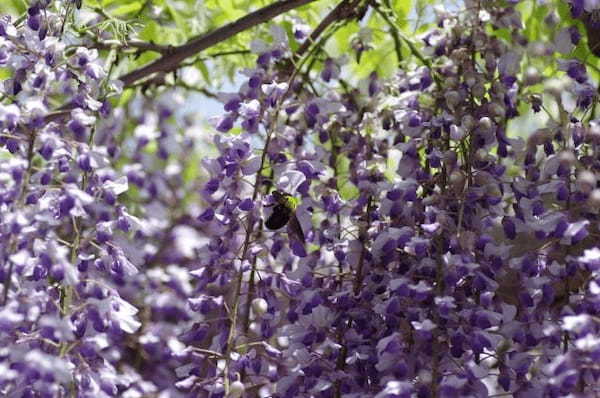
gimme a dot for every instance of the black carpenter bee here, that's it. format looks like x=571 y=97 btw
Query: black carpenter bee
x=284 y=213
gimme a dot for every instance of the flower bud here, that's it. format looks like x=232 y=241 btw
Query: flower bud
x=555 y=87
x=451 y=81
x=532 y=76
x=498 y=88
x=593 y=134
x=586 y=181
x=236 y=389
x=471 y=79
x=537 y=49
x=452 y=98
x=566 y=158
x=497 y=110
x=468 y=122
x=538 y=137
x=594 y=199
x=457 y=181
x=551 y=19
x=259 y=306
x=482 y=156
x=449 y=159
x=478 y=90
x=485 y=123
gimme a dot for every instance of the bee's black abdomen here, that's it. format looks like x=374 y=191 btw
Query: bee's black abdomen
x=279 y=217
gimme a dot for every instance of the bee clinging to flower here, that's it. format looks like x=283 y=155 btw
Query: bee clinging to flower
x=284 y=213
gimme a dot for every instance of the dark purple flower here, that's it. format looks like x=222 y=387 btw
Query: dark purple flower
x=207 y=215
x=34 y=22
x=576 y=8
x=246 y=204
x=298 y=248
x=509 y=228
x=225 y=124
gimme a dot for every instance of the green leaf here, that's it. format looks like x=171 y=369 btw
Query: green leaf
x=345 y=187
x=125 y=97
x=92 y=3
x=348 y=191
x=204 y=70
x=392 y=163
x=5 y=73
x=342 y=39
x=106 y=3
x=533 y=14
x=524 y=108
x=377 y=61
x=402 y=9
x=503 y=33
x=130 y=8
x=230 y=11
x=564 y=12
x=14 y=7
x=179 y=20
x=151 y=32
x=236 y=130
x=191 y=170
x=289 y=30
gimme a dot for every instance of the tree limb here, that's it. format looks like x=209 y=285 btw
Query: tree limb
x=172 y=60
x=133 y=45
x=173 y=56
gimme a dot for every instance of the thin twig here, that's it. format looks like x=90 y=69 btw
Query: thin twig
x=342 y=11
x=20 y=202
x=363 y=235
x=133 y=44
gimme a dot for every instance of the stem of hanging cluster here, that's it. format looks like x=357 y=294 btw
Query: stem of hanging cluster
x=240 y=278
x=363 y=236
x=251 y=221
x=20 y=202
x=439 y=292
x=246 y=244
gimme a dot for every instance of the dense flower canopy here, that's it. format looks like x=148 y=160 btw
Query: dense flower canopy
x=444 y=206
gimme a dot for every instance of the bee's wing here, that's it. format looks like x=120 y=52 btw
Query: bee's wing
x=295 y=228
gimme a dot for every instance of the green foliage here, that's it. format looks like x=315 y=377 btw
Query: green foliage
x=341 y=39
x=126 y=9
x=201 y=66
x=346 y=188
x=5 y=73
x=534 y=13
x=401 y=9
x=174 y=22
x=13 y=7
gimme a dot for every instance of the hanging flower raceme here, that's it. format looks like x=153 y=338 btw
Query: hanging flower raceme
x=381 y=237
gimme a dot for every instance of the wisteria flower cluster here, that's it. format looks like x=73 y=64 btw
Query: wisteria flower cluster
x=440 y=254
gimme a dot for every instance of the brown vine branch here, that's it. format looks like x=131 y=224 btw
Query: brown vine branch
x=176 y=55
x=137 y=45
x=173 y=57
